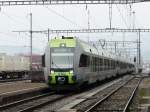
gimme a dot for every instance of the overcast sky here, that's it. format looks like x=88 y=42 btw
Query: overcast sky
x=14 y=18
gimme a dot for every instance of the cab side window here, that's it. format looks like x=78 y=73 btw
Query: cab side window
x=84 y=60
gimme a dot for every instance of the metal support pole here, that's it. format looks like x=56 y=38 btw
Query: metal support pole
x=88 y=23
x=48 y=34
x=130 y=15
x=139 y=47
x=31 y=42
x=110 y=16
x=133 y=27
x=115 y=47
x=137 y=58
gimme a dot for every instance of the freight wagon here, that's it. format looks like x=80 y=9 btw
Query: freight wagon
x=12 y=67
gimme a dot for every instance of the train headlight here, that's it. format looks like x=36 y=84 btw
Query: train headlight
x=71 y=71
x=52 y=71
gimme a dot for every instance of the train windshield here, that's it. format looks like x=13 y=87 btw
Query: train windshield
x=61 y=58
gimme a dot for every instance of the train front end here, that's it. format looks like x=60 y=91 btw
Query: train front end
x=61 y=72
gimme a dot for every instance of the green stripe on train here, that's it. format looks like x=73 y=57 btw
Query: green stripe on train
x=58 y=42
x=53 y=77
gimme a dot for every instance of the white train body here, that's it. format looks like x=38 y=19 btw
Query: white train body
x=70 y=62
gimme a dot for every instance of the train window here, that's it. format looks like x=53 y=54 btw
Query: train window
x=62 y=50
x=108 y=64
x=121 y=65
x=114 y=64
x=84 y=60
x=117 y=63
x=94 y=64
x=111 y=64
x=101 y=64
x=97 y=64
x=105 y=64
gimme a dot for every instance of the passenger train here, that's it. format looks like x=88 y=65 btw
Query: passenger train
x=70 y=63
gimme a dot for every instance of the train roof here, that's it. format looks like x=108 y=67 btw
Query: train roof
x=63 y=42
x=86 y=47
x=89 y=48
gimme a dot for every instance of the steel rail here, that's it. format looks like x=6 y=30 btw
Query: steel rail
x=107 y=96
x=13 y=80
x=32 y=108
x=131 y=97
x=13 y=104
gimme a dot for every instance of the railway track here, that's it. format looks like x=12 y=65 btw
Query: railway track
x=118 y=96
x=29 y=104
x=13 y=80
x=51 y=100
x=116 y=100
x=67 y=104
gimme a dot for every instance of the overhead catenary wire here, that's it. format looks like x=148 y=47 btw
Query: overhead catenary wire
x=131 y=14
x=12 y=18
x=7 y=39
x=123 y=19
x=62 y=16
x=128 y=8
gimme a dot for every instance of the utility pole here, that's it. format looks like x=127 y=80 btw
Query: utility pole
x=31 y=42
x=115 y=47
x=130 y=15
x=139 y=47
x=48 y=34
x=123 y=44
x=139 y=52
x=133 y=26
x=110 y=15
x=88 y=14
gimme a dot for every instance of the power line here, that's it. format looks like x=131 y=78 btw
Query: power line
x=12 y=18
x=122 y=17
x=60 y=15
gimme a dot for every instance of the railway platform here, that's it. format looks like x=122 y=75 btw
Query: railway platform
x=144 y=95
x=14 y=91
